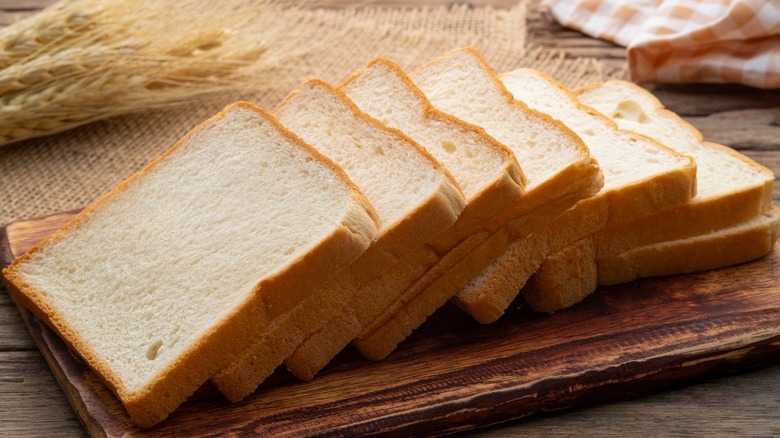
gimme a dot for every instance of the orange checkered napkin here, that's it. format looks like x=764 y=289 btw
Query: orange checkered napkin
x=684 y=40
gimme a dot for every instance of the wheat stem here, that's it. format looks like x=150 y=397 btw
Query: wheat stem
x=83 y=60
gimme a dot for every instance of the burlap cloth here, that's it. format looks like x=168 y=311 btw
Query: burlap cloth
x=71 y=169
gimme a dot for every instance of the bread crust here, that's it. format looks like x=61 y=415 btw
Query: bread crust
x=572 y=271
x=701 y=214
x=494 y=289
x=320 y=348
x=727 y=247
x=170 y=388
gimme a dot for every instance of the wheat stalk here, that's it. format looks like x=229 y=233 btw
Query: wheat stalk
x=84 y=60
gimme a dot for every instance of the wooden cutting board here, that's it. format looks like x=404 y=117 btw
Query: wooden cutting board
x=455 y=374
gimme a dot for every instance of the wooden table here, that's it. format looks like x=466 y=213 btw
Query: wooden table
x=31 y=402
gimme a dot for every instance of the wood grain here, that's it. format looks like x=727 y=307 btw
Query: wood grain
x=454 y=374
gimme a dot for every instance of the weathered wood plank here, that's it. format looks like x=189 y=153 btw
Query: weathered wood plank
x=7 y=18
x=32 y=401
x=21 y=5
x=13 y=333
x=756 y=129
x=693 y=100
x=741 y=405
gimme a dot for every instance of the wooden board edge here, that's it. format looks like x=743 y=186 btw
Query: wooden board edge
x=702 y=367
x=6 y=255
x=59 y=359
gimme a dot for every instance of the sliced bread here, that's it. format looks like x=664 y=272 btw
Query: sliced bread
x=572 y=273
x=641 y=177
x=486 y=170
x=732 y=188
x=159 y=283
x=557 y=164
x=414 y=196
x=724 y=247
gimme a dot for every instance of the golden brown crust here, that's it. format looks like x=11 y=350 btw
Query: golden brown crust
x=383 y=335
x=709 y=251
x=508 y=186
x=700 y=215
x=640 y=198
x=571 y=272
x=500 y=284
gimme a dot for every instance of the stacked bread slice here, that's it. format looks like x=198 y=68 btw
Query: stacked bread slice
x=486 y=170
x=414 y=196
x=641 y=177
x=558 y=166
x=730 y=221
x=351 y=214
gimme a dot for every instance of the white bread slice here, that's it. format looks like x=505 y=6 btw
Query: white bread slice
x=731 y=188
x=557 y=164
x=161 y=281
x=574 y=274
x=641 y=177
x=486 y=170
x=414 y=196
x=724 y=247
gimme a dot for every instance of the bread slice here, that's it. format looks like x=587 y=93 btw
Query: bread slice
x=557 y=164
x=565 y=277
x=486 y=170
x=573 y=272
x=641 y=177
x=732 y=188
x=159 y=283
x=724 y=247
x=414 y=195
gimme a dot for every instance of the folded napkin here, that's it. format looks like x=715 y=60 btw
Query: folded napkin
x=684 y=40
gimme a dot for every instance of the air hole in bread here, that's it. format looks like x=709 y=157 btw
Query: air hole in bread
x=379 y=151
x=630 y=110
x=154 y=350
x=448 y=146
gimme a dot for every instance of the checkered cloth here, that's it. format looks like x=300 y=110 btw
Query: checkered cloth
x=684 y=40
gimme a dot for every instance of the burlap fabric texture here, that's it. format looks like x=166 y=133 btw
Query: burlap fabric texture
x=69 y=170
